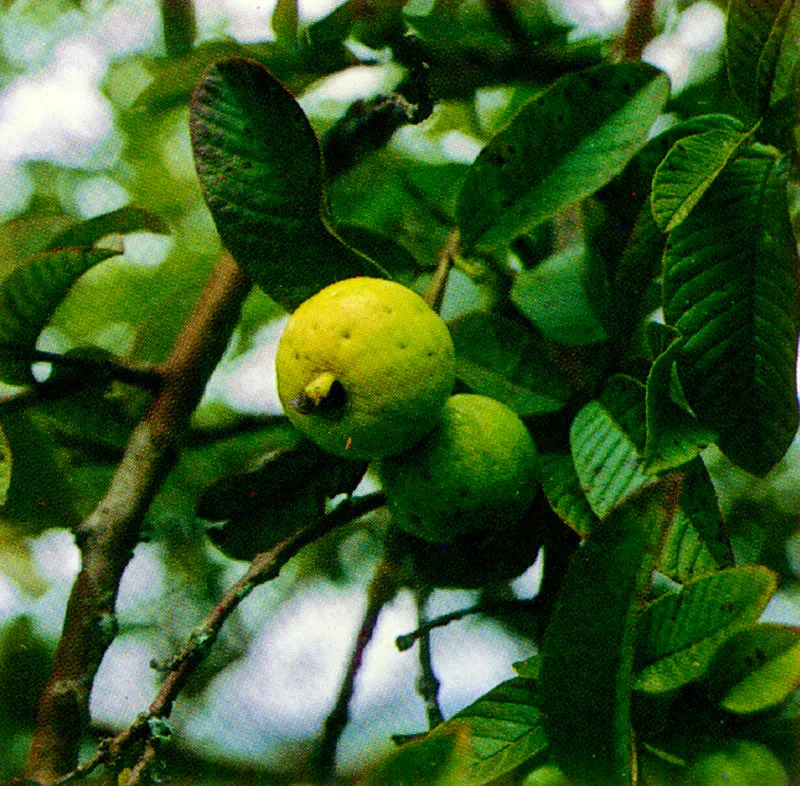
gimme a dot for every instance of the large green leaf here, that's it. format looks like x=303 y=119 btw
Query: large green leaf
x=755 y=669
x=500 y=357
x=561 y=147
x=561 y=486
x=687 y=172
x=561 y=296
x=259 y=166
x=673 y=434
x=730 y=288
x=505 y=731
x=603 y=439
x=681 y=631
x=697 y=541
x=127 y=219
x=757 y=46
x=28 y=298
x=588 y=649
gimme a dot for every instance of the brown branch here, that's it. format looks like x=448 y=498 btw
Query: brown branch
x=264 y=567
x=107 y=538
x=639 y=29
x=382 y=589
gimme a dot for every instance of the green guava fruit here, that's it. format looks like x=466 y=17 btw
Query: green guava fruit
x=474 y=471
x=738 y=763
x=364 y=368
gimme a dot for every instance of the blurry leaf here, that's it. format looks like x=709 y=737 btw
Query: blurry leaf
x=437 y=760
x=528 y=668
x=561 y=296
x=393 y=257
x=687 y=172
x=697 y=541
x=673 y=435
x=286 y=492
x=588 y=649
x=259 y=166
x=25 y=235
x=731 y=290
x=561 y=147
x=603 y=438
x=126 y=219
x=28 y=298
x=681 y=631
x=40 y=493
x=754 y=46
x=561 y=485
x=755 y=669
x=499 y=357
x=778 y=64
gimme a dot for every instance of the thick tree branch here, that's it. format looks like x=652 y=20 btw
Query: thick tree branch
x=107 y=538
x=264 y=567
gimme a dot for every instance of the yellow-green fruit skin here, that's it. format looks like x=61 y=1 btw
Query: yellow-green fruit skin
x=738 y=763
x=475 y=471
x=392 y=354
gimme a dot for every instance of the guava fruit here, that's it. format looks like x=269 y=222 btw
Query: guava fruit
x=364 y=368
x=737 y=763
x=474 y=471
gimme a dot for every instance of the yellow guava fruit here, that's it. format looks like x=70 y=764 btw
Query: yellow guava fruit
x=364 y=368
x=475 y=471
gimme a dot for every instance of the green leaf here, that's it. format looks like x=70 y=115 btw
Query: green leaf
x=687 y=172
x=730 y=288
x=751 y=56
x=698 y=541
x=259 y=166
x=284 y=21
x=561 y=486
x=505 y=731
x=126 y=219
x=561 y=147
x=28 y=298
x=561 y=296
x=779 y=59
x=603 y=438
x=681 y=631
x=756 y=669
x=588 y=649
x=287 y=491
x=439 y=759
x=501 y=358
x=674 y=436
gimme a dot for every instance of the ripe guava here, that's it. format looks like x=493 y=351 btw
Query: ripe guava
x=364 y=368
x=474 y=471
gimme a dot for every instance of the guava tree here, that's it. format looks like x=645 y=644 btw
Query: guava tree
x=617 y=267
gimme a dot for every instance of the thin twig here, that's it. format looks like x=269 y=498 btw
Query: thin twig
x=107 y=538
x=382 y=589
x=406 y=640
x=428 y=685
x=435 y=292
x=264 y=567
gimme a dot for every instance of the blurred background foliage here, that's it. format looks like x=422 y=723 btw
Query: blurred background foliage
x=93 y=119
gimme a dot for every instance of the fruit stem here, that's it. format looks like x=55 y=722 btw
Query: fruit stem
x=324 y=395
